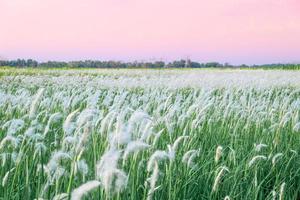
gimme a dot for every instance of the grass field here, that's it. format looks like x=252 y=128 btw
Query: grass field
x=149 y=134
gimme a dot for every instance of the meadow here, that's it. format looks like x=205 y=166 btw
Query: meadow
x=149 y=134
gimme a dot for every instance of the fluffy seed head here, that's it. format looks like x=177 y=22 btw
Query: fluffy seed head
x=35 y=103
x=134 y=147
x=78 y=193
x=222 y=170
x=275 y=158
x=218 y=153
x=155 y=158
x=258 y=147
x=281 y=193
x=255 y=159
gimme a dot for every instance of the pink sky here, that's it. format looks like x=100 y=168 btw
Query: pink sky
x=234 y=31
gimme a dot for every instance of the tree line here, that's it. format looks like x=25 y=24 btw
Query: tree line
x=22 y=63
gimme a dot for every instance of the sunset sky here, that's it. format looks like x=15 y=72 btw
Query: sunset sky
x=234 y=31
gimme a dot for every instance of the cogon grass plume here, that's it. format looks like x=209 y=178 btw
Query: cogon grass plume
x=52 y=119
x=114 y=180
x=259 y=147
x=152 y=180
x=189 y=156
x=9 y=140
x=133 y=147
x=218 y=153
x=255 y=159
x=69 y=124
x=13 y=126
x=281 y=191
x=173 y=148
x=275 y=158
x=221 y=172
x=35 y=103
x=6 y=176
x=274 y=194
x=157 y=136
x=157 y=156
x=227 y=198
x=109 y=160
x=78 y=193
x=296 y=127
x=232 y=156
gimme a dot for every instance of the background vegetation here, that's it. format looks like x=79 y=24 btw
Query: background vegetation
x=117 y=64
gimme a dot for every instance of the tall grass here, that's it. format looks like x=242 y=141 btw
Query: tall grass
x=83 y=140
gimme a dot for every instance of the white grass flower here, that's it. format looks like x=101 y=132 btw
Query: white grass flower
x=109 y=160
x=83 y=138
x=274 y=194
x=177 y=142
x=191 y=162
x=114 y=180
x=32 y=133
x=147 y=132
x=157 y=136
x=255 y=159
x=53 y=166
x=227 y=198
x=281 y=191
x=152 y=180
x=218 y=153
x=60 y=155
x=39 y=147
x=232 y=156
x=35 y=103
x=133 y=147
x=14 y=126
x=52 y=119
x=82 y=167
x=69 y=141
x=104 y=125
x=79 y=192
x=9 y=140
x=69 y=124
x=294 y=152
x=296 y=127
x=6 y=176
x=221 y=172
x=17 y=157
x=171 y=152
x=189 y=156
x=120 y=137
x=138 y=116
x=275 y=158
x=85 y=116
x=258 y=147
x=58 y=173
x=157 y=156
x=3 y=157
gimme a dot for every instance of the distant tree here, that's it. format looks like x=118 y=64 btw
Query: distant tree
x=157 y=64
x=176 y=64
x=213 y=65
x=187 y=63
x=195 y=65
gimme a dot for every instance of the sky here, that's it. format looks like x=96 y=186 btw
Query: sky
x=233 y=31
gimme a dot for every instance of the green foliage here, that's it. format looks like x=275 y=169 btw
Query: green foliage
x=21 y=63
